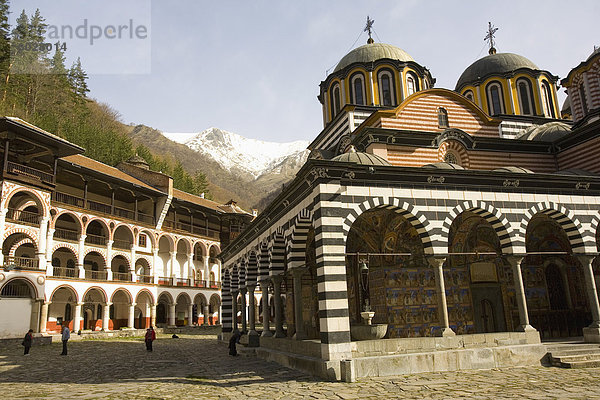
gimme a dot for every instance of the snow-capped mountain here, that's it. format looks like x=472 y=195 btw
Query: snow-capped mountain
x=255 y=157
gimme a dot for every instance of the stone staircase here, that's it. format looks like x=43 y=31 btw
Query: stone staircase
x=573 y=354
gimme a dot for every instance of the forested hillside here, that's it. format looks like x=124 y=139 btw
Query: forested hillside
x=37 y=86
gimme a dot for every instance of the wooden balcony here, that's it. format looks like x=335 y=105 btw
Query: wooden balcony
x=122 y=244
x=22 y=263
x=102 y=208
x=66 y=234
x=95 y=275
x=23 y=217
x=95 y=239
x=28 y=174
x=65 y=272
x=214 y=285
x=188 y=228
x=145 y=279
x=121 y=276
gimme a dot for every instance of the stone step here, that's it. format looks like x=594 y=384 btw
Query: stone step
x=582 y=357
x=579 y=364
x=574 y=352
x=582 y=346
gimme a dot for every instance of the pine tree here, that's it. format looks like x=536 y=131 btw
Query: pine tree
x=78 y=79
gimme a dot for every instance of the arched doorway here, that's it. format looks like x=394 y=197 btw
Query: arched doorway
x=16 y=308
x=554 y=283
x=61 y=309
x=93 y=301
x=214 y=308
x=400 y=287
x=119 y=310
x=162 y=309
x=479 y=283
x=143 y=309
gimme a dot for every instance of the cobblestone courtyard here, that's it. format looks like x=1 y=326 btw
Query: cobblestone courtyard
x=199 y=367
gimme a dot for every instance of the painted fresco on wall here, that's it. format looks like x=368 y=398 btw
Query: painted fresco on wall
x=401 y=286
x=554 y=284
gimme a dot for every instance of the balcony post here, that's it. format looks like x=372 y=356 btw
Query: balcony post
x=81 y=257
x=109 y=274
x=135 y=210
x=49 y=245
x=85 y=193
x=42 y=242
x=54 y=170
x=171 y=272
x=132 y=268
x=6 y=148
x=191 y=271
x=106 y=316
x=112 y=201
x=154 y=270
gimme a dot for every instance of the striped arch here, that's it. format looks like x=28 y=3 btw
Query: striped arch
x=147 y=292
x=144 y=257
x=98 y=288
x=122 y=254
x=215 y=299
x=242 y=269
x=263 y=260
x=202 y=246
x=166 y=295
x=170 y=239
x=126 y=226
x=419 y=222
x=68 y=246
x=92 y=250
x=188 y=244
x=456 y=148
x=184 y=295
x=41 y=203
x=68 y=287
x=150 y=235
x=299 y=235
x=127 y=292
x=567 y=220
x=103 y=223
x=252 y=268
x=200 y=299
x=594 y=226
x=33 y=235
x=14 y=247
x=277 y=253
x=76 y=217
x=490 y=214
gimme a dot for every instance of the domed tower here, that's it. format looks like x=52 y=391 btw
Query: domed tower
x=373 y=75
x=509 y=84
x=583 y=86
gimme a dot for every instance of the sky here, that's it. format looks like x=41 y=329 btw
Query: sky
x=254 y=67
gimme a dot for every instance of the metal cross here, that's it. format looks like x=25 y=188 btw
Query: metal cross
x=490 y=35
x=369 y=26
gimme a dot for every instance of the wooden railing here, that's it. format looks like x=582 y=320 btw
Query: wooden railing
x=95 y=275
x=65 y=272
x=122 y=244
x=186 y=227
x=21 y=263
x=144 y=278
x=102 y=208
x=23 y=216
x=200 y=283
x=67 y=199
x=165 y=281
x=121 y=276
x=214 y=285
x=66 y=234
x=23 y=170
x=182 y=281
x=95 y=239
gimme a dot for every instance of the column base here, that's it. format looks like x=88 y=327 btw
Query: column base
x=591 y=334
x=253 y=339
x=299 y=336
x=446 y=332
x=266 y=333
x=280 y=334
x=526 y=328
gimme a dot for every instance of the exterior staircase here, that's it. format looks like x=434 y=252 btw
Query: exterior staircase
x=573 y=354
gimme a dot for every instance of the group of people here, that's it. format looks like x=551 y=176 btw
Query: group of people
x=149 y=337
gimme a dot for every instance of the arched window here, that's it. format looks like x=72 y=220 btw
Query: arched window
x=525 y=97
x=67 y=312
x=496 y=105
x=583 y=99
x=548 y=103
x=469 y=95
x=335 y=100
x=56 y=262
x=451 y=158
x=412 y=84
x=386 y=89
x=358 y=89
x=442 y=118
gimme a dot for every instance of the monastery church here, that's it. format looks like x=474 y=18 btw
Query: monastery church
x=431 y=229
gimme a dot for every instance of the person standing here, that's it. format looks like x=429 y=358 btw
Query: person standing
x=27 y=342
x=66 y=335
x=149 y=338
x=235 y=338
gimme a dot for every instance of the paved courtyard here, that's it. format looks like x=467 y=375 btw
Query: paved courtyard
x=198 y=367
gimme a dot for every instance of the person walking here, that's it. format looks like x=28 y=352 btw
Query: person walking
x=27 y=342
x=235 y=338
x=66 y=335
x=149 y=338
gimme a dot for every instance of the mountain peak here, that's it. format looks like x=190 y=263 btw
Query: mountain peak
x=255 y=157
